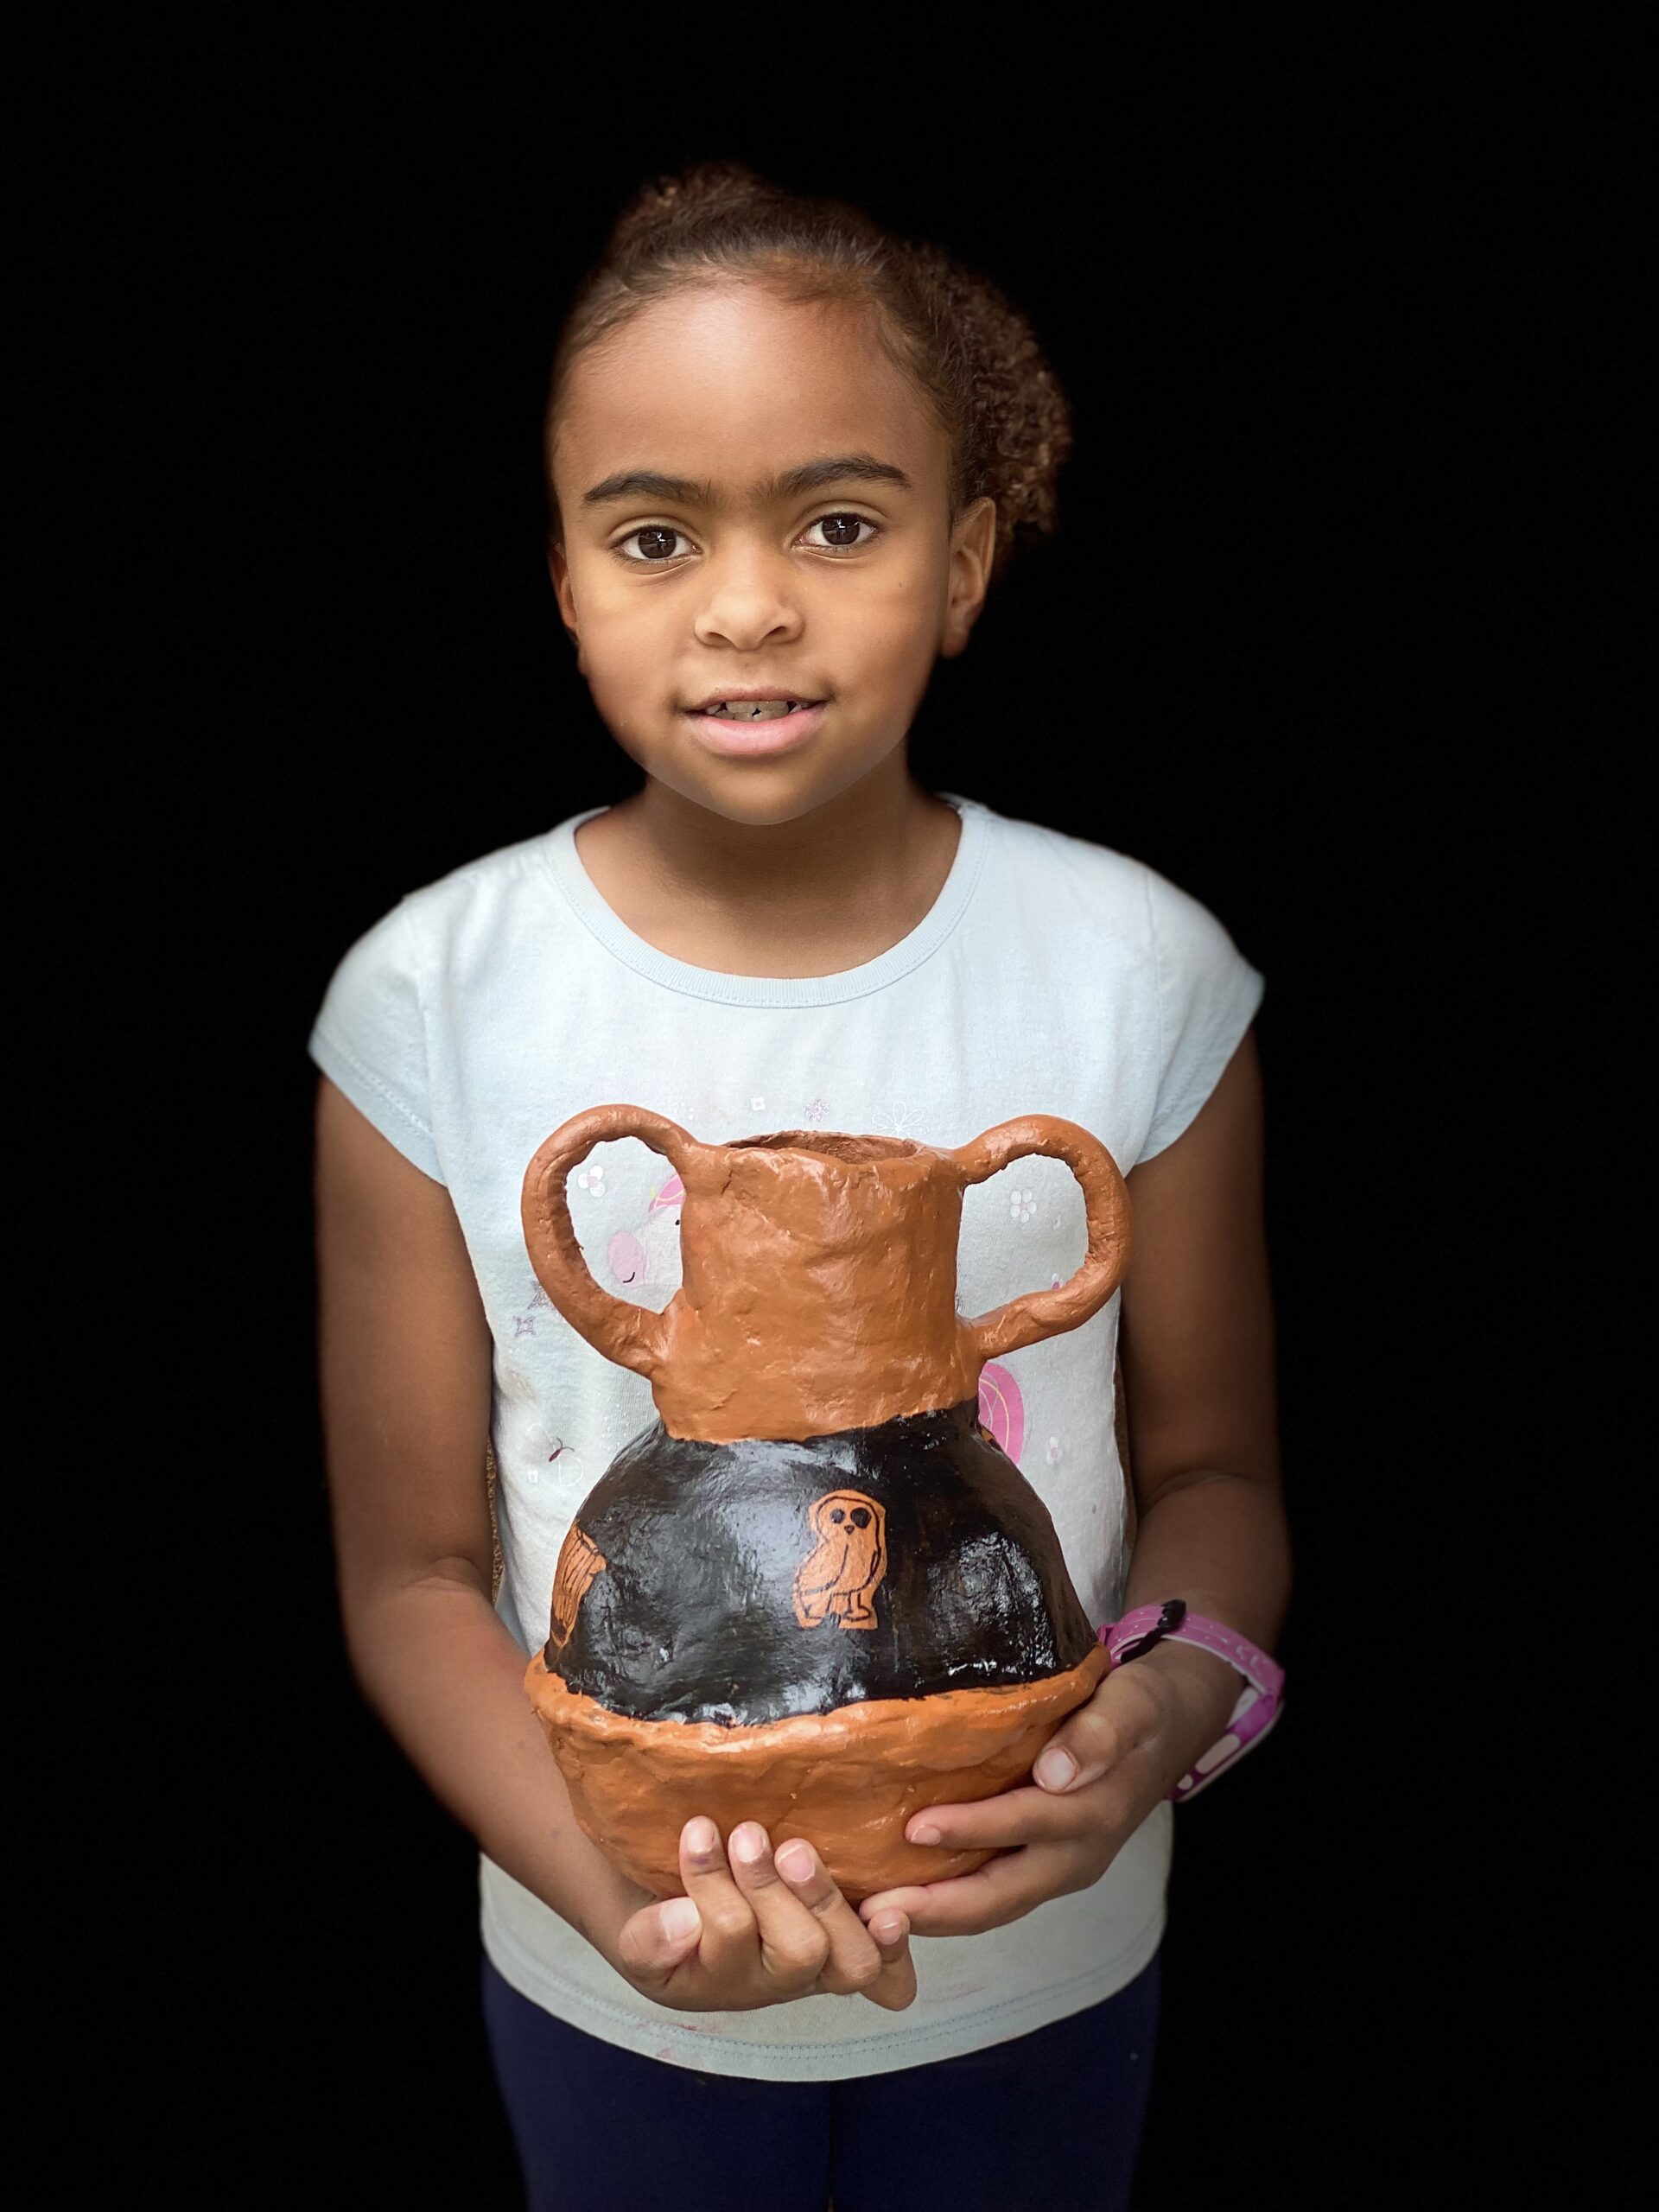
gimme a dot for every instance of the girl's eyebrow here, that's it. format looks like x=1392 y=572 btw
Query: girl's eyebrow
x=840 y=468
x=810 y=476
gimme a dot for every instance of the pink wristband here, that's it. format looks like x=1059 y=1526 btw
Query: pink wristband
x=1259 y=1702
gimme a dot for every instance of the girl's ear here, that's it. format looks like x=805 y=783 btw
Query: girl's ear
x=559 y=569
x=972 y=550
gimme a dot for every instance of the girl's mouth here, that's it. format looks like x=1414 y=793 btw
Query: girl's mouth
x=756 y=726
x=753 y=710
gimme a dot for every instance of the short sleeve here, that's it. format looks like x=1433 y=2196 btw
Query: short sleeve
x=1208 y=995
x=369 y=1038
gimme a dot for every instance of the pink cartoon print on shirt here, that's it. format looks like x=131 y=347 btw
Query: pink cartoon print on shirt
x=1001 y=1408
x=650 y=1258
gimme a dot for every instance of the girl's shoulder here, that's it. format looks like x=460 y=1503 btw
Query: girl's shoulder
x=372 y=1031
x=1094 y=888
x=428 y=920
x=1134 y=951
x=452 y=925
x=507 y=873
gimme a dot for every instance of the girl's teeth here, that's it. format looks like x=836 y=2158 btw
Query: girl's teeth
x=751 y=710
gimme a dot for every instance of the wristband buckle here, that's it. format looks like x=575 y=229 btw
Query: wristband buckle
x=1259 y=1702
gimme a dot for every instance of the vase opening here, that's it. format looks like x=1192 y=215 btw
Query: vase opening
x=857 y=1151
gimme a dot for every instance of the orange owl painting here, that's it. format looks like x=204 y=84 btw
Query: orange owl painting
x=838 y=1577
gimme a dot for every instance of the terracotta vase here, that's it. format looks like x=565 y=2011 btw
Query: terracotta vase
x=815 y=1592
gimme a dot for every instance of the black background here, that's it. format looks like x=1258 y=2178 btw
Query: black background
x=1291 y=291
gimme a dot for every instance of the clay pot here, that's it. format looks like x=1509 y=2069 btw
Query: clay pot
x=814 y=1593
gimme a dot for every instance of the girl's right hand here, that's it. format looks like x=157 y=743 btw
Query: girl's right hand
x=760 y=1931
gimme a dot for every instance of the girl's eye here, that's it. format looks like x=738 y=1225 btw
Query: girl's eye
x=656 y=542
x=841 y=533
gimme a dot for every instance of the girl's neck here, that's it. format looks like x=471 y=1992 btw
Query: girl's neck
x=825 y=893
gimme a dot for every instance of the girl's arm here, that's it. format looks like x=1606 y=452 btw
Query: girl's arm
x=1198 y=1355
x=405 y=1355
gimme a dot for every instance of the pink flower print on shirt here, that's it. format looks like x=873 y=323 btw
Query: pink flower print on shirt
x=592 y=1178
x=1056 y=1451
x=650 y=1257
x=1001 y=1407
x=1021 y=1206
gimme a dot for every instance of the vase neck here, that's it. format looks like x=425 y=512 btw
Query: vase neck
x=819 y=1292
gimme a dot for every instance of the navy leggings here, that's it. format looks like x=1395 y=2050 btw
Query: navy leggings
x=1051 y=2118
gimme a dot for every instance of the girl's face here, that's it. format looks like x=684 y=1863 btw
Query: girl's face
x=755 y=504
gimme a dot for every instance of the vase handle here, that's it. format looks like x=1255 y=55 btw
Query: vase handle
x=632 y=1335
x=1038 y=1314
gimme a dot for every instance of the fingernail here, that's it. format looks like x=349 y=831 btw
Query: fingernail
x=702 y=1839
x=678 y=1919
x=1056 y=1769
x=795 y=1859
x=889 y=1927
x=922 y=1832
x=747 y=1844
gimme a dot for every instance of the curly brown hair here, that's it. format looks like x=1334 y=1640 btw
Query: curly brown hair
x=972 y=354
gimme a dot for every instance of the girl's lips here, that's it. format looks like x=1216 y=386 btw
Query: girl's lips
x=780 y=733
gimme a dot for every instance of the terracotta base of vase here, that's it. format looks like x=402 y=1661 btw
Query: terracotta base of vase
x=848 y=1780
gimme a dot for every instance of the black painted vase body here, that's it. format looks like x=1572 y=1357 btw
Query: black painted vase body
x=937 y=1569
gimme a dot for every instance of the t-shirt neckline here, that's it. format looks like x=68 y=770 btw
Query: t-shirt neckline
x=565 y=866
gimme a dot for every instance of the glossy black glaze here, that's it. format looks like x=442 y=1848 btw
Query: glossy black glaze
x=692 y=1618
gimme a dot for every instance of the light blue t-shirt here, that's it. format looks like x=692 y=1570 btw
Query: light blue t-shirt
x=1051 y=976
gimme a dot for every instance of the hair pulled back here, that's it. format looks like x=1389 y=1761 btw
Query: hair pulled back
x=973 y=355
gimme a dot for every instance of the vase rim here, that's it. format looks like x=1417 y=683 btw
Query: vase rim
x=832 y=1144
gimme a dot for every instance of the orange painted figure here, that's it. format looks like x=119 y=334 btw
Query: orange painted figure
x=580 y=1561
x=838 y=1577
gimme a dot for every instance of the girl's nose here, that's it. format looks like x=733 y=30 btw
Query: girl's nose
x=749 y=604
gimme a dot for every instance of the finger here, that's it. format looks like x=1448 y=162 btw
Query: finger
x=854 y=1959
x=1099 y=1736
x=658 y=1940
x=1003 y=1822
x=794 y=1944
x=967 y=1905
x=726 y=1945
x=895 y=1987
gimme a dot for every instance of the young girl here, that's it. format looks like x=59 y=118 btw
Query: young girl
x=787 y=453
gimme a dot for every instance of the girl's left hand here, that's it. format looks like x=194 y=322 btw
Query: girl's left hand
x=1097 y=1779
